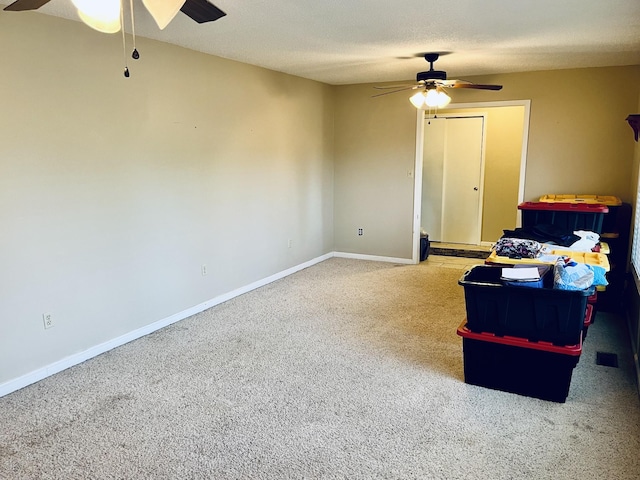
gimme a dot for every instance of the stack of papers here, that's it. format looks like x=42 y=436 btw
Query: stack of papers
x=525 y=274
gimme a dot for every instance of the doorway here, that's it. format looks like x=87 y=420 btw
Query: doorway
x=507 y=128
x=452 y=178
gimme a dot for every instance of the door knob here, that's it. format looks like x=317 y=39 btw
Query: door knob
x=475 y=188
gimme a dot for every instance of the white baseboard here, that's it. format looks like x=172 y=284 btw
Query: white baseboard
x=53 y=368
x=374 y=258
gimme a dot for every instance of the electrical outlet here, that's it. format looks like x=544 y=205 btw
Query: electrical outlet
x=289 y=243
x=360 y=232
x=204 y=269
x=47 y=318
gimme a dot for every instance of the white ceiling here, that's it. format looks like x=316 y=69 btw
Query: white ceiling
x=364 y=41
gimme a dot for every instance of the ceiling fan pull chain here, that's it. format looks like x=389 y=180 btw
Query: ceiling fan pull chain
x=135 y=55
x=124 y=42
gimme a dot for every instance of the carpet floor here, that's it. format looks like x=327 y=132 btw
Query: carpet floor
x=348 y=369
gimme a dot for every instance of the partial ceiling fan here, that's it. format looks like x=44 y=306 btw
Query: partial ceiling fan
x=108 y=16
x=431 y=85
x=162 y=11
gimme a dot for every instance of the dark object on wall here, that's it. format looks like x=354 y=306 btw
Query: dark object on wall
x=634 y=121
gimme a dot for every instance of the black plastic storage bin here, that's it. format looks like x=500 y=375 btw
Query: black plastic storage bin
x=568 y=216
x=424 y=247
x=609 y=223
x=517 y=366
x=588 y=321
x=536 y=314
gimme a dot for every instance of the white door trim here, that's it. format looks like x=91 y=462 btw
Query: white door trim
x=417 y=189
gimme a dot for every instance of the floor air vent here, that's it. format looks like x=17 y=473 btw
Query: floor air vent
x=607 y=359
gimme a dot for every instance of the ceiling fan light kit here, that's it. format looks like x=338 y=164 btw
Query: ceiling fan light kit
x=432 y=98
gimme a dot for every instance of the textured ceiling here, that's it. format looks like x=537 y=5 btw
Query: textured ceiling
x=363 y=41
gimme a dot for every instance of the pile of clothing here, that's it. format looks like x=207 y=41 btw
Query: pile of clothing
x=517 y=248
x=568 y=274
x=578 y=241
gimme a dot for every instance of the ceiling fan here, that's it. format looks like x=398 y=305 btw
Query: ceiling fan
x=107 y=16
x=162 y=11
x=431 y=85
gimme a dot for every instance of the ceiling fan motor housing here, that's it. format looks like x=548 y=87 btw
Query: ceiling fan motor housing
x=431 y=75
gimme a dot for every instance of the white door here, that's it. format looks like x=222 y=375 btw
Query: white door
x=452 y=176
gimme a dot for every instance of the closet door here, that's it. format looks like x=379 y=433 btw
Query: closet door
x=451 y=188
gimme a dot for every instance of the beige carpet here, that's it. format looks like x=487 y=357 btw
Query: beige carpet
x=349 y=369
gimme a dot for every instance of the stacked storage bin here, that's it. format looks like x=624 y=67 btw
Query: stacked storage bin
x=528 y=340
x=616 y=228
x=570 y=216
x=519 y=339
x=571 y=213
x=612 y=203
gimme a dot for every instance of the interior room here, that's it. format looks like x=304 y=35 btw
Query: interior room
x=237 y=178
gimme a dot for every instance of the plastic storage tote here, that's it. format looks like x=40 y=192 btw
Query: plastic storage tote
x=609 y=221
x=536 y=314
x=515 y=365
x=569 y=216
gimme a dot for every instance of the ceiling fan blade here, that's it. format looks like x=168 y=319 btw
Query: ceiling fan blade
x=477 y=86
x=450 y=83
x=399 y=85
x=396 y=91
x=21 y=5
x=202 y=11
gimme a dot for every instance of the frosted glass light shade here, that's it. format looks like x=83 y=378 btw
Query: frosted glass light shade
x=437 y=98
x=103 y=15
x=163 y=11
x=432 y=98
x=443 y=99
x=418 y=99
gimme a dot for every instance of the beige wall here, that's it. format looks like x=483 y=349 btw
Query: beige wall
x=375 y=155
x=578 y=143
x=114 y=191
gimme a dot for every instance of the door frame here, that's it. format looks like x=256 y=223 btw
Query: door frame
x=417 y=195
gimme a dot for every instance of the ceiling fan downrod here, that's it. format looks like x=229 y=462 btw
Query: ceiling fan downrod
x=431 y=74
